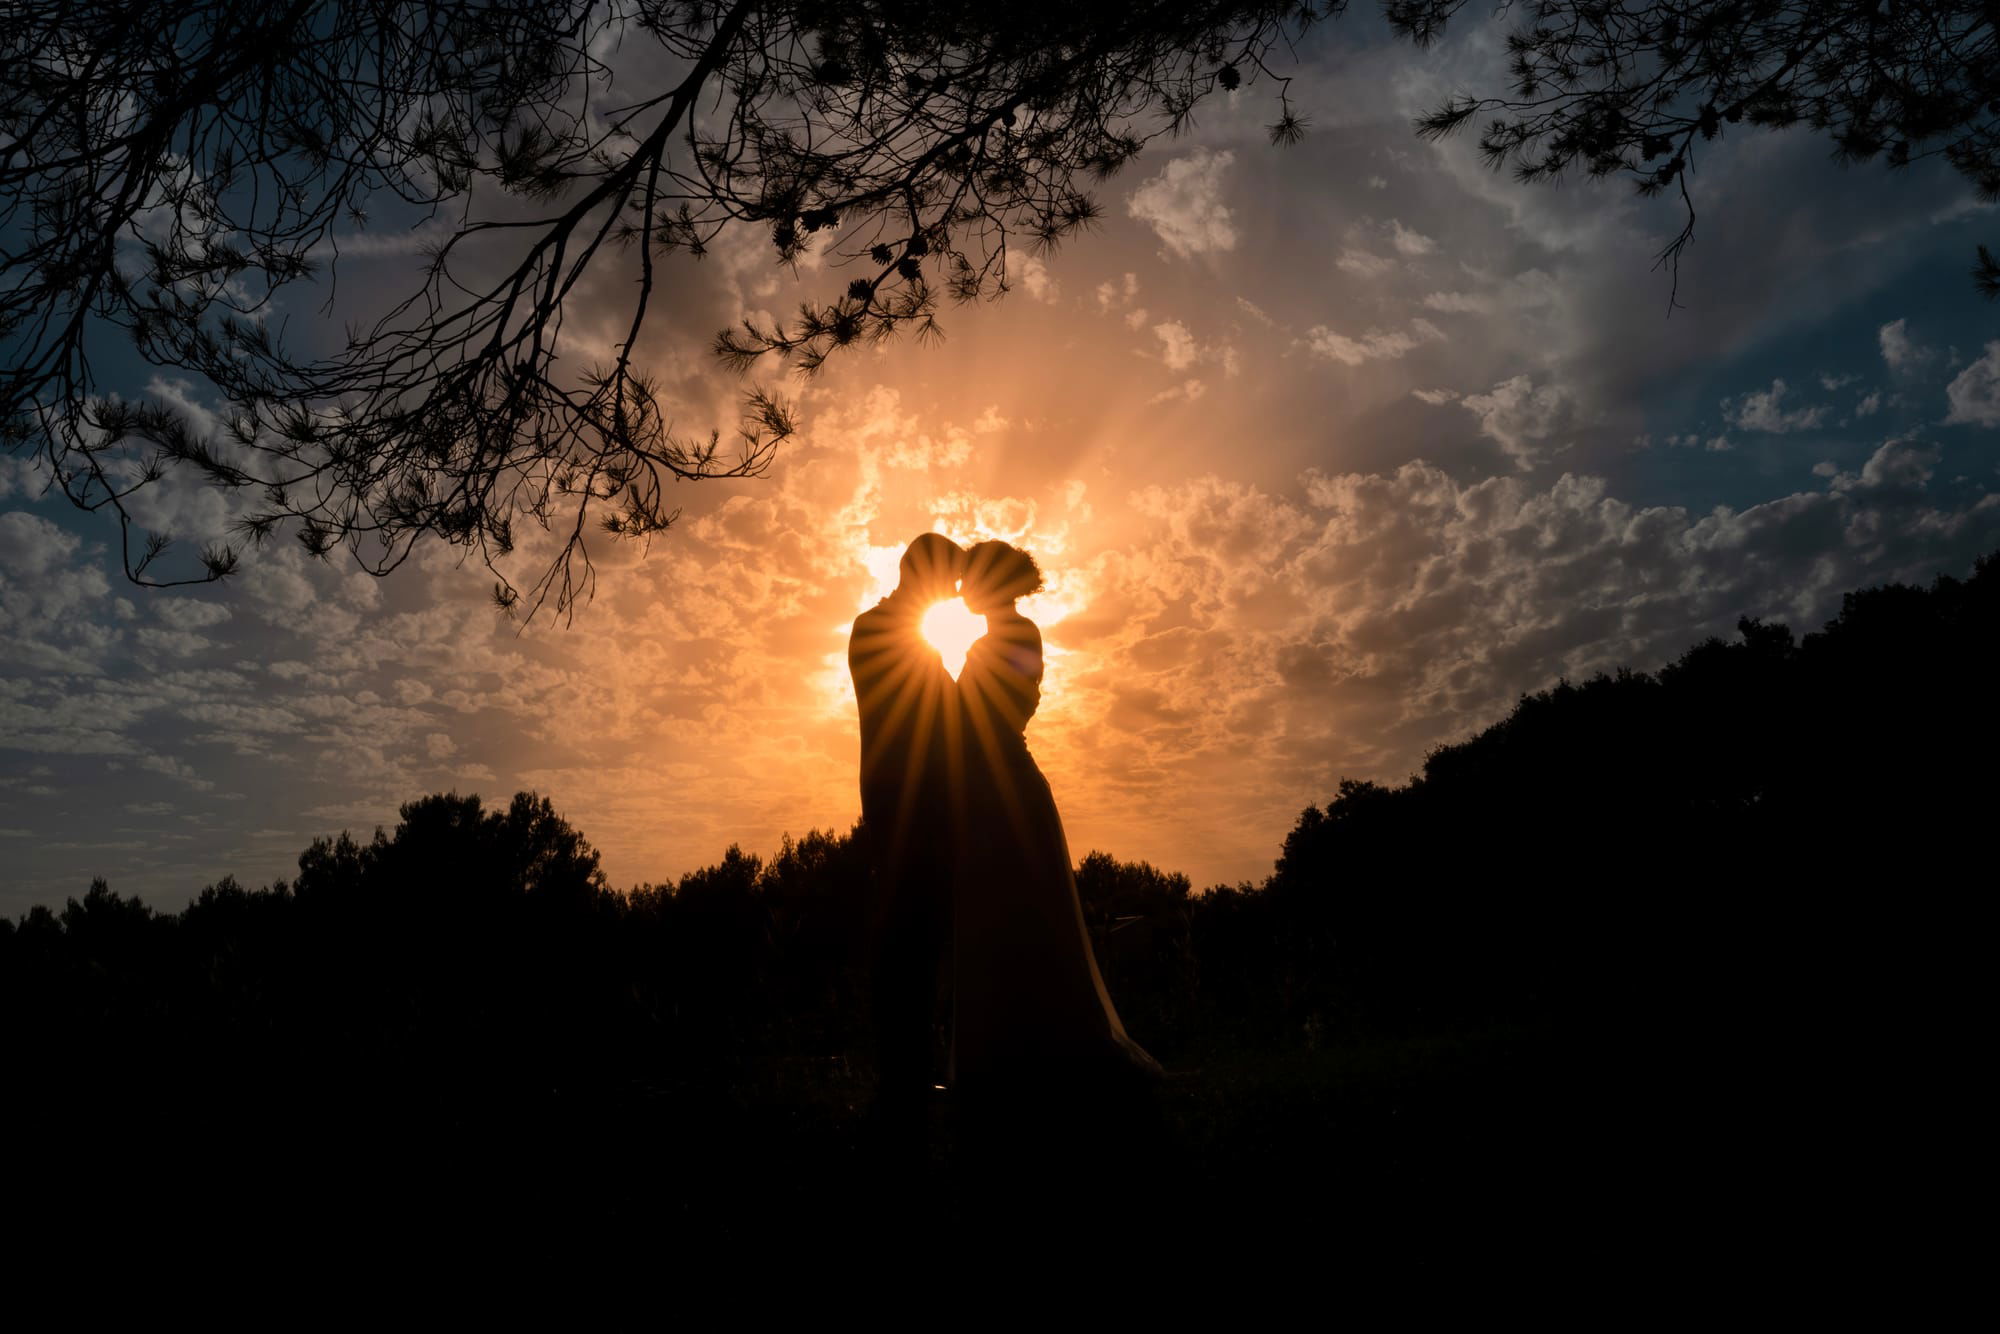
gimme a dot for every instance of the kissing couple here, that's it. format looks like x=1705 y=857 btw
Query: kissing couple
x=976 y=924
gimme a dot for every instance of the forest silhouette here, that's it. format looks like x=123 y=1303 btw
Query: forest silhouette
x=1650 y=935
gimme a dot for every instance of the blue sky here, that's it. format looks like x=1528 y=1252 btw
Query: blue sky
x=1331 y=452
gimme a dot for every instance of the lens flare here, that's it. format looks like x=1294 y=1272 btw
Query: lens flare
x=950 y=629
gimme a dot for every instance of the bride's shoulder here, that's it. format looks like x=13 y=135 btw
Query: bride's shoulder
x=1022 y=630
x=1021 y=641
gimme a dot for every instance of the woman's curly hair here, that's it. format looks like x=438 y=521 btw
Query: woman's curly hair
x=1007 y=572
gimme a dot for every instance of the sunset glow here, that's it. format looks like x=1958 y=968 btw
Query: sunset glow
x=1327 y=455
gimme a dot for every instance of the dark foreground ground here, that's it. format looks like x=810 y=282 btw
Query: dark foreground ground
x=1433 y=1164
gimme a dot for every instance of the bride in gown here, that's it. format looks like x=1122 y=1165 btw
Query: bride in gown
x=1031 y=1009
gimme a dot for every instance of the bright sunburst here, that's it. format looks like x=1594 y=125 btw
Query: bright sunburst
x=951 y=628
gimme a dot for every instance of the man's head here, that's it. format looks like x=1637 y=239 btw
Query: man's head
x=931 y=567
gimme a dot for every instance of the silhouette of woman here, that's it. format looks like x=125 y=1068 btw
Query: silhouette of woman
x=1031 y=1010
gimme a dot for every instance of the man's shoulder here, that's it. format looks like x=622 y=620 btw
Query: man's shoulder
x=1019 y=630
x=873 y=621
x=874 y=630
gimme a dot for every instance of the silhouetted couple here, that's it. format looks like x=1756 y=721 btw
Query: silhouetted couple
x=977 y=915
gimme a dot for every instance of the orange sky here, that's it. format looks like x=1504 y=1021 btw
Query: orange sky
x=1328 y=455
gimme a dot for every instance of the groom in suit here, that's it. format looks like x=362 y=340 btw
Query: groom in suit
x=909 y=735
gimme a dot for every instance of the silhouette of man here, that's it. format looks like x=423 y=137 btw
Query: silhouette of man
x=909 y=730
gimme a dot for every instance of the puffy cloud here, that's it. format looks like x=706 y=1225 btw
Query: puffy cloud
x=1111 y=295
x=1901 y=468
x=1522 y=417
x=1762 y=410
x=172 y=643
x=1039 y=282
x=1974 y=394
x=1902 y=353
x=1409 y=241
x=1273 y=645
x=50 y=598
x=1183 y=204
x=1375 y=345
x=21 y=475
x=186 y=613
x=1178 y=350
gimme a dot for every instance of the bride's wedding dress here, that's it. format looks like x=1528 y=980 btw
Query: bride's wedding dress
x=1031 y=1008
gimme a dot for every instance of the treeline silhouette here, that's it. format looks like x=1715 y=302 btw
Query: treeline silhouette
x=1744 y=881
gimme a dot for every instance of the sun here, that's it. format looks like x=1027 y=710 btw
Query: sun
x=950 y=629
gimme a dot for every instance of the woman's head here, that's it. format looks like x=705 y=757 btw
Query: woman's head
x=996 y=574
x=931 y=567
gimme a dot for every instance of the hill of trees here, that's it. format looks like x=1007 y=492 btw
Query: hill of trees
x=1746 y=880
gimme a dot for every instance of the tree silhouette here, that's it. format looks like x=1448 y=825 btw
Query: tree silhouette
x=1635 y=90
x=170 y=171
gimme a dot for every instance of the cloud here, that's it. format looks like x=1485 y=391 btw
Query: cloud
x=1183 y=204
x=1903 y=354
x=186 y=613
x=1187 y=391
x=50 y=596
x=1375 y=345
x=1275 y=643
x=1255 y=312
x=1515 y=296
x=1220 y=653
x=22 y=475
x=1899 y=469
x=1208 y=636
x=1521 y=416
x=1974 y=394
x=175 y=769
x=1409 y=241
x=172 y=643
x=1178 y=350
x=1111 y=295
x=1039 y=282
x=1364 y=264
x=1762 y=410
